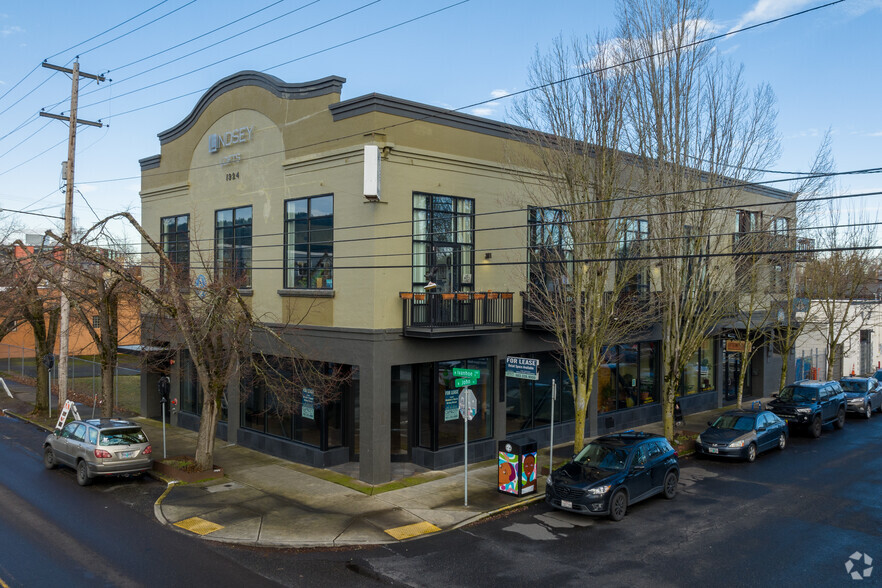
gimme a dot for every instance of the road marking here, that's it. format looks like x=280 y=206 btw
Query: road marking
x=199 y=526
x=414 y=530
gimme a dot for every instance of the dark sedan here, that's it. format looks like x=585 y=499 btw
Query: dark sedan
x=863 y=395
x=613 y=472
x=743 y=434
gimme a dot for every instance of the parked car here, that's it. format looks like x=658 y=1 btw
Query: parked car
x=99 y=447
x=863 y=395
x=810 y=404
x=743 y=434
x=878 y=375
x=613 y=472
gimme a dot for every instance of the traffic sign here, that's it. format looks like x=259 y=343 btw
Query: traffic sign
x=464 y=373
x=468 y=404
x=460 y=382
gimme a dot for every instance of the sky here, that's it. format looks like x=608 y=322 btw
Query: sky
x=160 y=56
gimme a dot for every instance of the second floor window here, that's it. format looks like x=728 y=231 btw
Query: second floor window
x=443 y=243
x=551 y=248
x=175 y=241
x=632 y=246
x=309 y=242
x=232 y=245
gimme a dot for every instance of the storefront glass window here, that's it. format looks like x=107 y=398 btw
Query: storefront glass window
x=627 y=377
x=528 y=402
x=707 y=373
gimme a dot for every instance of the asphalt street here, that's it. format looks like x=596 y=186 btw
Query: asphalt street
x=793 y=518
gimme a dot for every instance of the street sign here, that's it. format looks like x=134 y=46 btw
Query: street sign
x=464 y=373
x=468 y=404
x=523 y=368
x=460 y=382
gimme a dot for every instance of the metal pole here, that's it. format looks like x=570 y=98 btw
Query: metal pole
x=163 y=429
x=551 y=441
x=50 y=392
x=466 y=421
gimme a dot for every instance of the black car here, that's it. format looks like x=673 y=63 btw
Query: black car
x=810 y=404
x=614 y=471
x=863 y=395
x=743 y=434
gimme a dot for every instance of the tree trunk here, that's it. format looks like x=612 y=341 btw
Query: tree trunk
x=106 y=389
x=208 y=426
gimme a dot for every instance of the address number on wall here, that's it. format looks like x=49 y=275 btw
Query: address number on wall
x=232 y=176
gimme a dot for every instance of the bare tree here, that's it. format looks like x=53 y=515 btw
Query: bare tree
x=838 y=277
x=698 y=132
x=215 y=324
x=581 y=219
x=32 y=300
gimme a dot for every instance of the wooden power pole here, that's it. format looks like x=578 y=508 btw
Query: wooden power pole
x=72 y=121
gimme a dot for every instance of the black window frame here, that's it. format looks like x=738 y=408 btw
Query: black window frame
x=551 y=242
x=239 y=265
x=323 y=269
x=429 y=234
x=177 y=249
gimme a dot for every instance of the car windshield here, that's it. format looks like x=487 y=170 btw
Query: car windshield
x=122 y=437
x=853 y=385
x=798 y=394
x=738 y=423
x=599 y=456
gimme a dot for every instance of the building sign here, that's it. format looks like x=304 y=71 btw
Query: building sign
x=308 y=404
x=736 y=346
x=523 y=368
x=216 y=142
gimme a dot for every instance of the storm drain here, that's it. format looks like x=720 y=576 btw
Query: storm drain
x=199 y=525
x=414 y=530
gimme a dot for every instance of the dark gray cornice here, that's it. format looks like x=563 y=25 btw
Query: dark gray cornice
x=151 y=162
x=281 y=89
x=424 y=112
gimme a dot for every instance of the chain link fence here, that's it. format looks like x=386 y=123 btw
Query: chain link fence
x=84 y=375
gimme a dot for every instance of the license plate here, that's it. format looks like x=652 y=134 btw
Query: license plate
x=566 y=503
x=126 y=454
x=713 y=450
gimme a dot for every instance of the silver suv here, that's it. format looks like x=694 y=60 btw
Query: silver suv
x=99 y=447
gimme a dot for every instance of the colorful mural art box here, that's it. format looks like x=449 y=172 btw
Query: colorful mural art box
x=517 y=467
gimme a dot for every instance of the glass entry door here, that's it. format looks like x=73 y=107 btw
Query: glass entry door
x=446 y=261
x=731 y=372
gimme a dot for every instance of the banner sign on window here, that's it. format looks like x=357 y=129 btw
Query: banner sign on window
x=308 y=404
x=523 y=368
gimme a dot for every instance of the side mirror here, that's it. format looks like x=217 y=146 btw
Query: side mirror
x=710 y=423
x=775 y=395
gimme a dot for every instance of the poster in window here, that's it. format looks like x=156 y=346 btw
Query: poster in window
x=451 y=404
x=308 y=404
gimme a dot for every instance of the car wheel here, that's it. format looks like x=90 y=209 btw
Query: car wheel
x=816 y=427
x=868 y=411
x=782 y=441
x=840 y=419
x=670 y=489
x=618 y=505
x=751 y=453
x=83 y=478
x=49 y=458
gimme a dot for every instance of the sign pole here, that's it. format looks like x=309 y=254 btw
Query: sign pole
x=50 y=393
x=551 y=441
x=465 y=421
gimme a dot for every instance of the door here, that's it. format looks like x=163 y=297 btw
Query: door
x=640 y=477
x=828 y=410
x=62 y=447
x=768 y=437
x=400 y=413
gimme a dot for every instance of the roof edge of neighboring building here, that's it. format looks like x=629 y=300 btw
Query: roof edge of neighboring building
x=280 y=88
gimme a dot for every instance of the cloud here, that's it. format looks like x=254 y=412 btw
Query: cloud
x=483 y=111
x=13 y=30
x=875 y=134
x=765 y=10
x=499 y=93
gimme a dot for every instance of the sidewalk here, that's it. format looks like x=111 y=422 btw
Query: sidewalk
x=266 y=501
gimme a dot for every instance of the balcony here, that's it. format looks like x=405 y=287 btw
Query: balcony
x=434 y=315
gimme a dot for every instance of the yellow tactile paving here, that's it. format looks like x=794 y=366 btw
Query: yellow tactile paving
x=408 y=531
x=199 y=526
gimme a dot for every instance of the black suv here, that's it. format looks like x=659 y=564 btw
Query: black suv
x=810 y=404
x=614 y=471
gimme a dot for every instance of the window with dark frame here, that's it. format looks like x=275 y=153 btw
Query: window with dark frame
x=232 y=245
x=551 y=247
x=631 y=245
x=309 y=242
x=175 y=243
x=443 y=242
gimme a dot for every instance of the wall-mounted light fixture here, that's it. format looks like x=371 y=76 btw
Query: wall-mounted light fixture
x=488 y=255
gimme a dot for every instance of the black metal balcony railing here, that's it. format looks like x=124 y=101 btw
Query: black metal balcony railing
x=456 y=314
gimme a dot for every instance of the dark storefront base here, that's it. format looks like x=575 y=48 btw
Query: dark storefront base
x=190 y=421
x=296 y=452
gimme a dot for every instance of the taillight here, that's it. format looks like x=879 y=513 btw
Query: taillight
x=102 y=453
x=149 y=450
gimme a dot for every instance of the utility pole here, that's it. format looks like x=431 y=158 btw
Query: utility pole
x=72 y=121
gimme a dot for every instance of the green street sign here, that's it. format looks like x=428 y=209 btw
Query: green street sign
x=464 y=373
x=460 y=382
